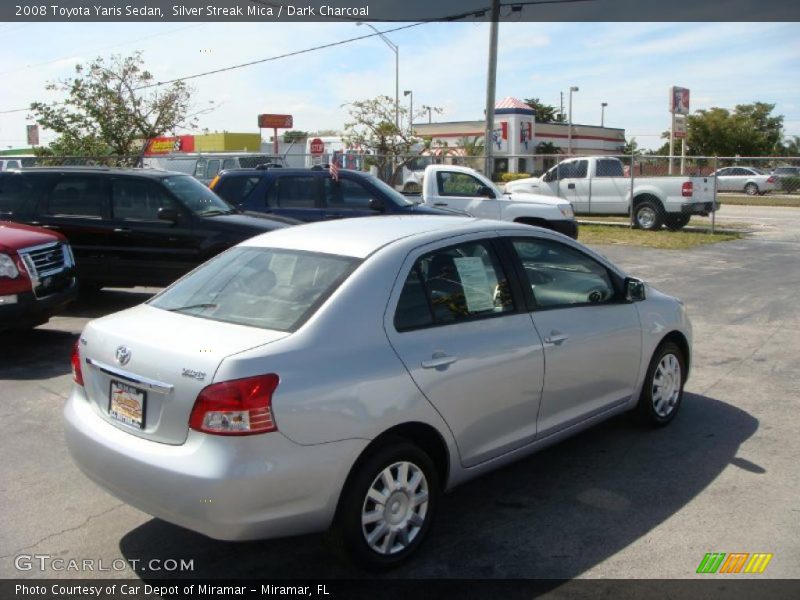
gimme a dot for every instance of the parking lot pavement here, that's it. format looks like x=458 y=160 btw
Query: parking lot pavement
x=615 y=501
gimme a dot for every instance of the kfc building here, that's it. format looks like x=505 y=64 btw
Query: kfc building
x=517 y=135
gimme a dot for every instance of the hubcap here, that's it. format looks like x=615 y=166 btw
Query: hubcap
x=646 y=217
x=666 y=385
x=395 y=508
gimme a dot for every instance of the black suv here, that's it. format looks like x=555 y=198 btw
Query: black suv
x=129 y=227
x=313 y=195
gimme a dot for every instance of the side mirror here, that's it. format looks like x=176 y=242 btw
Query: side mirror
x=485 y=192
x=376 y=205
x=634 y=290
x=168 y=214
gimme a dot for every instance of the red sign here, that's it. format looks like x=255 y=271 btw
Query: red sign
x=275 y=121
x=166 y=145
x=317 y=147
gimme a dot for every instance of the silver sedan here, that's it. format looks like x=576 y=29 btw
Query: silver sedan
x=749 y=180
x=342 y=375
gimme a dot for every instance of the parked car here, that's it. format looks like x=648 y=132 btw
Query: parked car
x=788 y=178
x=597 y=185
x=205 y=166
x=10 y=163
x=313 y=195
x=37 y=275
x=343 y=374
x=128 y=227
x=749 y=180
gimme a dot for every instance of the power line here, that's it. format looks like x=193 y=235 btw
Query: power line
x=279 y=56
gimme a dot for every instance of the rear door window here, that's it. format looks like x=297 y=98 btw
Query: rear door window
x=346 y=193
x=236 y=188
x=212 y=168
x=78 y=196
x=16 y=193
x=609 y=168
x=293 y=191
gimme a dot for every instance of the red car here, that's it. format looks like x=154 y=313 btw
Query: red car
x=37 y=275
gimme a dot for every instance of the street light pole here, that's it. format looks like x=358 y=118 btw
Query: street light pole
x=573 y=88
x=410 y=111
x=491 y=81
x=396 y=49
x=603 y=113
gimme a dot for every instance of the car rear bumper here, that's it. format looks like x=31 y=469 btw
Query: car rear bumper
x=226 y=487
x=568 y=227
x=29 y=310
x=699 y=208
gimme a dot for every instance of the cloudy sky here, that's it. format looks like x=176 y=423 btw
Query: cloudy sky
x=629 y=65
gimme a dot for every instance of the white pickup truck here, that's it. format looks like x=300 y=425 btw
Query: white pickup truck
x=597 y=185
x=465 y=189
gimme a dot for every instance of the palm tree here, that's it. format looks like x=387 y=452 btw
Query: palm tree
x=473 y=149
x=551 y=150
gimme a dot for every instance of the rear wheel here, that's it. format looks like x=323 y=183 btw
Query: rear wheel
x=662 y=391
x=677 y=222
x=387 y=508
x=648 y=215
x=751 y=189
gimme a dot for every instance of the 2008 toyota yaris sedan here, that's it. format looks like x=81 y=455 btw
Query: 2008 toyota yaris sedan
x=341 y=375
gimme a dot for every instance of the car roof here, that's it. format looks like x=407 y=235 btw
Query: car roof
x=361 y=237
x=286 y=171
x=149 y=173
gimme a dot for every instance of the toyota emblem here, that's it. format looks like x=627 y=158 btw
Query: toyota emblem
x=123 y=355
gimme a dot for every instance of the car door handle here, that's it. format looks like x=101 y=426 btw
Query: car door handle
x=54 y=227
x=570 y=186
x=556 y=338
x=438 y=360
x=440 y=203
x=121 y=230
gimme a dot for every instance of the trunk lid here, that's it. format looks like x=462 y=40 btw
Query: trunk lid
x=157 y=362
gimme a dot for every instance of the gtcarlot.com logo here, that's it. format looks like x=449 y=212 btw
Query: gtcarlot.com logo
x=734 y=562
x=46 y=562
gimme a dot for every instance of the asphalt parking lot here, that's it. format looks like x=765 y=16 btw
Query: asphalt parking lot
x=617 y=501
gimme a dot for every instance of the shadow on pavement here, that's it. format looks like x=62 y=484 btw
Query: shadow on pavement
x=555 y=514
x=43 y=352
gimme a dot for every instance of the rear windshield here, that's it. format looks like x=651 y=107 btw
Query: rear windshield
x=258 y=287
x=235 y=188
x=196 y=197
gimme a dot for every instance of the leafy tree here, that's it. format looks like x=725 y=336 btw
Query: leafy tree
x=544 y=112
x=110 y=110
x=294 y=136
x=631 y=147
x=791 y=146
x=548 y=148
x=748 y=130
x=372 y=127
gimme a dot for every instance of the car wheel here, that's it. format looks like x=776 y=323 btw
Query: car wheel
x=677 y=222
x=751 y=189
x=662 y=391
x=387 y=508
x=648 y=215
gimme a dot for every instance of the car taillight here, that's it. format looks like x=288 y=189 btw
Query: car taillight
x=237 y=407
x=771 y=180
x=77 y=374
x=213 y=183
x=687 y=189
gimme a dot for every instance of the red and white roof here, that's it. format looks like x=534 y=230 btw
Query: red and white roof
x=510 y=102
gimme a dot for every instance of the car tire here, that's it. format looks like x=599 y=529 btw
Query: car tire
x=751 y=189
x=379 y=536
x=662 y=391
x=648 y=215
x=677 y=222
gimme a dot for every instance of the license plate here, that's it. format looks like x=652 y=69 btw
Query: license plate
x=126 y=404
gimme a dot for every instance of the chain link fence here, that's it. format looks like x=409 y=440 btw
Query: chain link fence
x=652 y=192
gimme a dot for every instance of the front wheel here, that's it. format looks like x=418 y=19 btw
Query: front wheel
x=648 y=215
x=387 y=508
x=662 y=391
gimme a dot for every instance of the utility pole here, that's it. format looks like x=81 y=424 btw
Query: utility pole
x=561 y=110
x=491 y=81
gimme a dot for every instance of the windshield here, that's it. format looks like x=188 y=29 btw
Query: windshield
x=258 y=287
x=392 y=193
x=197 y=197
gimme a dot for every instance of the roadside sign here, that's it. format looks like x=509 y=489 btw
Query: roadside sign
x=270 y=121
x=317 y=147
x=33 y=135
x=678 y=100
x=679 y=127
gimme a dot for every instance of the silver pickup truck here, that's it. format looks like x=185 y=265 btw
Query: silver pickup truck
x=597 y=185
